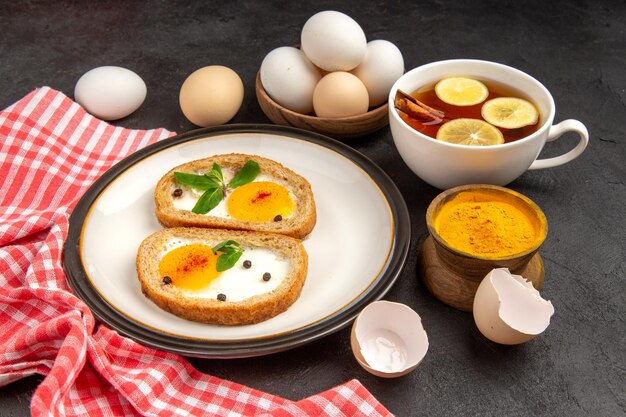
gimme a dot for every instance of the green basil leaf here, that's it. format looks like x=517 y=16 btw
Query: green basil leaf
x=216 y=173
x=227 y=260
x=245 y=175
x=208 y=201
x=227 y=245
x=200 y=182
x=231 y=251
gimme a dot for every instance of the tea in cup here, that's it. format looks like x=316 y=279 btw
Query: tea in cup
x=446 y=164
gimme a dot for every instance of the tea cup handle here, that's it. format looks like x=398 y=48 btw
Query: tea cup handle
x=557 y=131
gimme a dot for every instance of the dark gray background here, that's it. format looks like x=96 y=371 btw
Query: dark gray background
x=576 y=48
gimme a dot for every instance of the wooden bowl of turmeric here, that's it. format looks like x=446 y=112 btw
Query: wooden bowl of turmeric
x=474 y=229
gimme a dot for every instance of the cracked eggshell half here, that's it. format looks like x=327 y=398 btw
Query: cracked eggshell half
x=508 y=309
x=388 y=339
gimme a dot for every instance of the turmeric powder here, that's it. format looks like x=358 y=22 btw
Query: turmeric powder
x=488 y=229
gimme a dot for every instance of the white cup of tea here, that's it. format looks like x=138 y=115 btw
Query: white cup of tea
x=445 y=165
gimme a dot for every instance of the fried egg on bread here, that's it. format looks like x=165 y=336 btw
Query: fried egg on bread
x=177 y=269
x=277 y=200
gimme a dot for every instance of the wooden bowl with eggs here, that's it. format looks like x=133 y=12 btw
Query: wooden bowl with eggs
x=340 y=128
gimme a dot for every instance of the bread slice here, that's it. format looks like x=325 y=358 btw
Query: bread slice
x=254 y=309
x=298 y=224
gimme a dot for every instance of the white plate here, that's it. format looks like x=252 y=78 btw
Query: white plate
x=356 y=249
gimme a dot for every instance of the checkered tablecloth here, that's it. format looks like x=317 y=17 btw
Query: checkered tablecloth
x=51 y=151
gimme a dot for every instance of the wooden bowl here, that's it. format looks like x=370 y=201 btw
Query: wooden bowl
x=339 y=128
x=453 y=276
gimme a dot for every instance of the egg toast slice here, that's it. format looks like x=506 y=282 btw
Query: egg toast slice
x=236 y=191
x=178 y=269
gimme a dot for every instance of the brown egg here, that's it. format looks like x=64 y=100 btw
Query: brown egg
x=340 y=94
x=211 y=95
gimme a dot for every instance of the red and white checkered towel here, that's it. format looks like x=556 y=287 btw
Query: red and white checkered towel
x=51 y=150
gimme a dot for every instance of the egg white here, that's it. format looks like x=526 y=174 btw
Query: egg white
x=239 y=283
x=190 y=196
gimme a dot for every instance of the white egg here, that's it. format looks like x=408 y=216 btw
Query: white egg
x=508 y=309
x=110 y=92
x=289 y=78
x=382 y=66
x=239 y=283
x=388 y=348
x=333 y=41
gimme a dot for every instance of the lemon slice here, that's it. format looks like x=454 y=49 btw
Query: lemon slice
x=509 y=112
x=474 y=132
x=461 y=91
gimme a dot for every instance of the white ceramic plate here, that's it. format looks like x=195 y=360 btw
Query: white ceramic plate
x=356 y=249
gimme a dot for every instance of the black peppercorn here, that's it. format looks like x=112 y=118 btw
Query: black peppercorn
x=177 y=192
x=267 y=276
x=247 y=264
x=167 y=280
x=221 y=297
x=278 y=218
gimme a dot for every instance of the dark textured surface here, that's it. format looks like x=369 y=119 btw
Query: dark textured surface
x=576 y=48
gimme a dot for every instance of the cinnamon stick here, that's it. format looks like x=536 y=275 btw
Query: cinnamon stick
x=417 y=110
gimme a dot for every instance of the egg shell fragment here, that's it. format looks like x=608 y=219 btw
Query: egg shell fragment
x=388 y=339
x=289 y=77
x=211 y=95
x=381 y=68
x=110 y=92
x=508 y=309
x=340 y=94
x=333 y=41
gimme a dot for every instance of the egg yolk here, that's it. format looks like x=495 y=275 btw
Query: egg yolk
x=259 y=202
x=190 y=267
